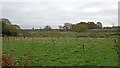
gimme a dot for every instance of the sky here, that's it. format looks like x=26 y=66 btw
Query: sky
x=39 y=13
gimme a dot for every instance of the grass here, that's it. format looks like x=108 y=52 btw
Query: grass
x=33 y=32
x=63 y=51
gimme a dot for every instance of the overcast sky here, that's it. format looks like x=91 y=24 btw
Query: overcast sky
x=38 y=13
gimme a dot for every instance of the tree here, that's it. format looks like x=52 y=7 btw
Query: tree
x=5 y=29
x=99 y=24
x=33 y=28
x=40 y=28
x=48 y=28
x=9 y=30
x=14 y=30
x=60 y=27
x=16 y=27
x=92 y=25
x=67 y=26
x=72 y=27
x=84 y=23
x=6 y=21
x=80 y=28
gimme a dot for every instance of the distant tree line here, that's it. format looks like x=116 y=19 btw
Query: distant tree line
x=117 y=27
x=82 y=26
x=13 y=30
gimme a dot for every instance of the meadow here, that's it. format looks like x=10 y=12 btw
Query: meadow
x=62 y=49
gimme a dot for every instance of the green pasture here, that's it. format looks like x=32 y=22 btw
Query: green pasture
x=63 y=51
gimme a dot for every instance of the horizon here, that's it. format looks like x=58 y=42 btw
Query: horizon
x=30 y=27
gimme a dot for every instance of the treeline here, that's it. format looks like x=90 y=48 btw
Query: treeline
x=82 y=26
x=79 y=27
x=9 y=30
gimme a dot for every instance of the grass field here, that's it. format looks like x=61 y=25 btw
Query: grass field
x=62 y=50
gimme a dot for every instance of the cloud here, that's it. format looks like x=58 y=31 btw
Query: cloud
x=90 y=10
x=38 y=13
